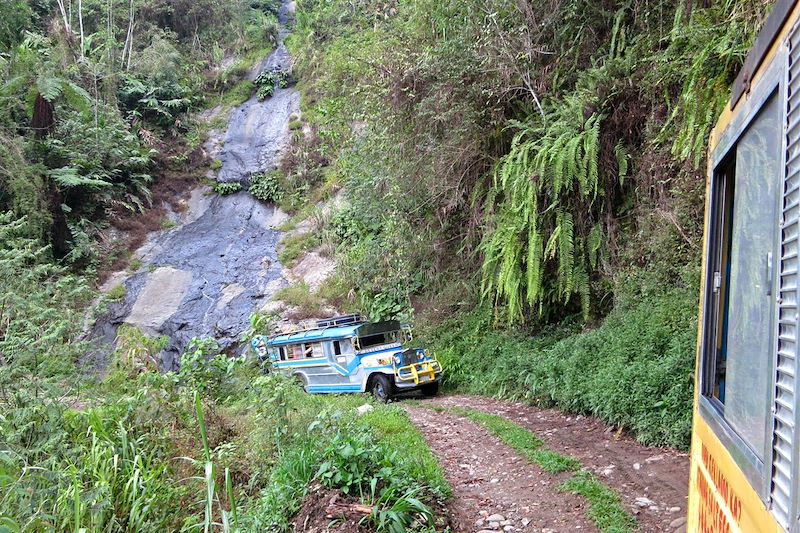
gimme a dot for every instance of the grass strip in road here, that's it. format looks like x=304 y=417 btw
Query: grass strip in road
x=605 y=506
x=523 y=441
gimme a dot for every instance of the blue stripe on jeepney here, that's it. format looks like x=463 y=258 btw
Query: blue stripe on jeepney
x=333 y=388
x=301 y=363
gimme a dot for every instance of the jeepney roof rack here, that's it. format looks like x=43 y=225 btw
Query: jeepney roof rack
x=325 y=323
x=343 y=320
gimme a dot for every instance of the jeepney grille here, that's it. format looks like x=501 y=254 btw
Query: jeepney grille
x=411 y=357
x=783 y=439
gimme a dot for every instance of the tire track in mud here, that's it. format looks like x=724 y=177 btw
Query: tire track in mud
x=489 y=477
x=493 y=487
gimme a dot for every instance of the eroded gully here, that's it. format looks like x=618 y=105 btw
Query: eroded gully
x=207 y=275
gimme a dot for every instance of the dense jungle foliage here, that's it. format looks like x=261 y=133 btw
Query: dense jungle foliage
x=533 y=167
x=99 y=106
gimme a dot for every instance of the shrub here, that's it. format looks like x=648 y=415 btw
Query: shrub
x=204 y=368
x=224 y=189
x=269 y=80
x=634 y=371
x=267 y=187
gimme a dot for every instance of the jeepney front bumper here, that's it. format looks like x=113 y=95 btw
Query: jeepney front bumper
x=419 y=373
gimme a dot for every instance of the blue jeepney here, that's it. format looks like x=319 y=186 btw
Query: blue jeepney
x=349 y=354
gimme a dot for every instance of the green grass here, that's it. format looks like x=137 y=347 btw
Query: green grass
x=117 y=293
x=216 y=164
x=238 y=94
x=293 y=246
x=336 y=292
x=605 y=506
x=135 y=265
x=301 y=296
x=523 y=441
x=393 y=427
x=168 y=224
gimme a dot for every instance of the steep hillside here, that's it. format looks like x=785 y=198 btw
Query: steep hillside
x=530 y=167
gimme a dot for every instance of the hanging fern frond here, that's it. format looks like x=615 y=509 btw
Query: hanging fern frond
x=543 y=257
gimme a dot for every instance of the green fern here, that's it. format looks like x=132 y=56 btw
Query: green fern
x=544 y=239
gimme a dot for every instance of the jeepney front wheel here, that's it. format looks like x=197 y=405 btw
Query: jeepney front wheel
x=381 y=388
x=430 y=390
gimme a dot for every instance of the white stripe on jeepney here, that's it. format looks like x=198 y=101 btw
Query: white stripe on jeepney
x=379 y=348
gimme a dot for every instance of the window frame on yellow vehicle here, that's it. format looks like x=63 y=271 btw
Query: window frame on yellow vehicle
x=754 y=463
x=761 y=439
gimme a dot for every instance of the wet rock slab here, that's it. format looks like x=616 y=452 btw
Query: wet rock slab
x=219 y=265
x=204 y=278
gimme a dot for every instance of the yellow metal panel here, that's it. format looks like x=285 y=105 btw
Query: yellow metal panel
x=720 y=497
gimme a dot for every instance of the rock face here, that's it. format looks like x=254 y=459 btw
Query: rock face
x=160 y=297
x=205 y=277
x=259 y=130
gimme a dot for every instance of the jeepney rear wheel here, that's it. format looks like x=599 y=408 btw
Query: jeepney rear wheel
x=430 y=390
x=300 y=379
x=381 y=388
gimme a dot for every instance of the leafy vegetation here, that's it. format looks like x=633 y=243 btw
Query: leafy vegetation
x=541 y=162
x=92 y=93
x=224 y=189
x=267 y=187
x=216 y=446
x=269 y=80
x=633 y=371
x=530 y=171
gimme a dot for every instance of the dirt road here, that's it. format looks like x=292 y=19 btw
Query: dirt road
x=497 y=489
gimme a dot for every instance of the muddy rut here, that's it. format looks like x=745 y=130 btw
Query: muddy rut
x=495 y=489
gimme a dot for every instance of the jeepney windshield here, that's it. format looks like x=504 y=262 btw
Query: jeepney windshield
x=388 y=337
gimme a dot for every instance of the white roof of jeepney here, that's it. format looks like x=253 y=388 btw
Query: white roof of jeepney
x=319 y=334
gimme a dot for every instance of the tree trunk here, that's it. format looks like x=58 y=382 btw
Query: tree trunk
x=127 y=48
x=60 y=235
x=43 y=117
x=80 y=23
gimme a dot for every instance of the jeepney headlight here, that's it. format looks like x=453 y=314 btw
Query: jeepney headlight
x=397 y=360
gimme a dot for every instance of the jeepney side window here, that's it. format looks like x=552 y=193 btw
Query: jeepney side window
x=738 y=338
x=316 y=350
x=296 y=351
x=337 y=348
x=282 y=353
